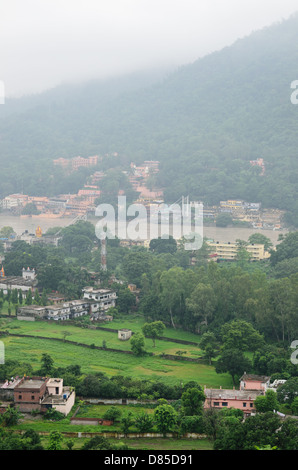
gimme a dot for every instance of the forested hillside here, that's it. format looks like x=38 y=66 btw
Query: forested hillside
x=203 y=122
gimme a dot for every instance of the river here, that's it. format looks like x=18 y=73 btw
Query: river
x=229 y=234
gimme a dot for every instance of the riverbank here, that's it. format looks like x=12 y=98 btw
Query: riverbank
x=222 y=234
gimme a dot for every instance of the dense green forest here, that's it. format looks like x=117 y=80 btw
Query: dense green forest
x=204 y=122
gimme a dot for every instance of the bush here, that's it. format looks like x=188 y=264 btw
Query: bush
x=113 y=414
x=192 y=424
x=53 y=415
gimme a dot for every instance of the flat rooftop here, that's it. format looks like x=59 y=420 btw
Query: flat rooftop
x=31 y=383
x=232 y=394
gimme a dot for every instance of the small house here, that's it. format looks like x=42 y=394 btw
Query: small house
x=124 y=334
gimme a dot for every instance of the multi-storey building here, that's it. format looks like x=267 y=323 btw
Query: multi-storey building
x=229 y=251
x=95 y=303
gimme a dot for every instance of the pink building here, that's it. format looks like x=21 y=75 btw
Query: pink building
x=254 y=382
x=239 y=399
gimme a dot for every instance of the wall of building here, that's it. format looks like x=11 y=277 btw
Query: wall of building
x=66 y=407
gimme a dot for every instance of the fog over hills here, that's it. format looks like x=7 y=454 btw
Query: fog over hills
x=204 y=122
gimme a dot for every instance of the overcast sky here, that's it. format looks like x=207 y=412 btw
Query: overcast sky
x=47 y=42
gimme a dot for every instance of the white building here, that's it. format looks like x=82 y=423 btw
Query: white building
x=105 y=298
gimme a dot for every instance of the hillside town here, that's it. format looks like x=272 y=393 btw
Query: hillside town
x=83 y=203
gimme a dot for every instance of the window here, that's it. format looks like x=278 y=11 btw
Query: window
x=216 y=403
x=244 y=404
x=20 y=397
x=251 y=405
x=224 y=403
x=32 y=397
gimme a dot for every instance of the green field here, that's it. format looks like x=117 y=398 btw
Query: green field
x=145 y=444
x=91 y=360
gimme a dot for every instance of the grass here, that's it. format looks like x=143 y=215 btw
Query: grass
x=91 y=360
x=167 y=444
x=96 y=337
x=97 y=411
x=152 y=444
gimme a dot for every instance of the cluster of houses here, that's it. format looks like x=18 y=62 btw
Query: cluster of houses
x=83 y=202
x=249 y=212
x=95 y=303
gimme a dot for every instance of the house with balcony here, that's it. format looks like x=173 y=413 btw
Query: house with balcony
x=102 y=299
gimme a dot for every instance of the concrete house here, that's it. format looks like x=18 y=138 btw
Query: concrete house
x=239 y=399
x=124 y=334
x=254 y=382
x=38 y=394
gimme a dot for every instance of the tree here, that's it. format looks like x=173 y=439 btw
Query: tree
x=234 y=362
x=208 y=344
x=259 y=430
x=172 y=290
x=283 y=308
x=241 y=335
x=192 y=401
x=153 y=330
x=33 y=436
x=14 y=296
x=165 y=417
x=28 y=300
x=126 y=299
x=192 y=424
x=287 y=392
x=113 y=413
x=46 y=364
x=36 y=297
x=30 y=209
x=202 y=303
x=294 y=406
x=11 y=416
x=163 y=245
x=97 y=443
x=55 y=441
x=6 y=232
x=242 y=255
x=137 y=342
x=260 y=239
x=288 y=248
x=223 y=220
x=44 y=298
x=267 y=402
x=287 y=436
x=20 y=297
x=126 y=422
x=144 y=422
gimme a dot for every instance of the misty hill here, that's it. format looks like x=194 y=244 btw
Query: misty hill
x=203 y=122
